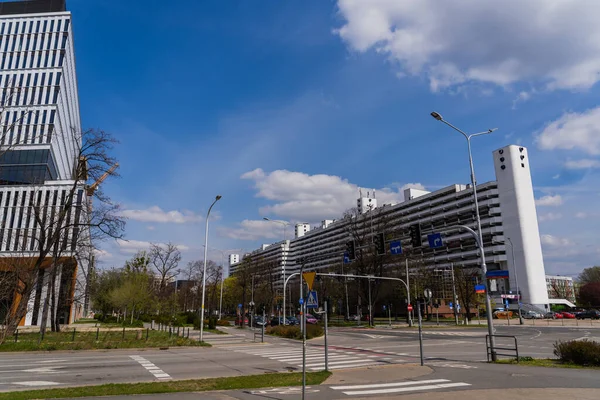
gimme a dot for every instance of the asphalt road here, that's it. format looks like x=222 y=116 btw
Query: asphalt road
x=449 y=349
x=482 y=380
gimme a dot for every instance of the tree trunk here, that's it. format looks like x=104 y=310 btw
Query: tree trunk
x=45 y=310
x=132 y=312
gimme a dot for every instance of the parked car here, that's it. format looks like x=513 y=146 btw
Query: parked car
x=553 y=315
x=532 y=315
x=592 y=314
x=238 y=320
x=292 y=321
x=568 y=315
x=259 y=321
x=310 y=319
x=279 y=321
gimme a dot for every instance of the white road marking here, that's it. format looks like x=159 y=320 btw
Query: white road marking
x=150 y=367
x=36 y=383
x=383 y=385
x=398 y=387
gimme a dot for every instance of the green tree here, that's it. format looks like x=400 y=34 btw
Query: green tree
x=589 y=275
x=133 y=293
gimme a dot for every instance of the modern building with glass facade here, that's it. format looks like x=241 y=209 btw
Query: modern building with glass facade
x=40 y=141
x=507 y=209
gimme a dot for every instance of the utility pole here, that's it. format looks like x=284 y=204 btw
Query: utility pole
x=454 y=295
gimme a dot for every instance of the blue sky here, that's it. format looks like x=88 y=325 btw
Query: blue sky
x=285 y=108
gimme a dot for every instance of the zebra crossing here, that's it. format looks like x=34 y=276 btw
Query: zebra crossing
x=315 y=357
x=216 y=340
x=398 y=387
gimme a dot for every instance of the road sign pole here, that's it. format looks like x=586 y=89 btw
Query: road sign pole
x=420 y=331
x=304 y=350
x=390 y=314
x=326 y=349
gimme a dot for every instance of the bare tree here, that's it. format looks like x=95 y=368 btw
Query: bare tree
x=58 y=218
x=165 y=260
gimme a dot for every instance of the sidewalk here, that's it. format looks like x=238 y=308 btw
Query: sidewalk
x=500 y=394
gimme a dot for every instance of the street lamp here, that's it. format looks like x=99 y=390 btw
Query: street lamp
x=488 y=304
x=285 y=224
x=512 y=252
x=204 y=268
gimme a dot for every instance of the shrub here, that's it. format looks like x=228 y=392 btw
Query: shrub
x=293 y=332
x=580 y=352
x=223 y=322
x=212 y=322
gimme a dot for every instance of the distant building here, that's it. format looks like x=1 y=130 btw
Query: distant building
x=507 y=209
x=561 y=288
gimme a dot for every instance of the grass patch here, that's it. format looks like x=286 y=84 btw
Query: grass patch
x=544 y=362
x=107 y=339
x=217 y=331
x=196 y=385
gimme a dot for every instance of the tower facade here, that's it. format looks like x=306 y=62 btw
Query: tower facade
x=39 y=105
x=40 y=143
x=520 y=224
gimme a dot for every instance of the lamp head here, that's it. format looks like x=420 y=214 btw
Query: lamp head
x=492 y=130
x=218 y=197
x=266 y=219
x=436 y=116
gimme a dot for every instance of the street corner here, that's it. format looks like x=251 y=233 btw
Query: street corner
x=382 y=373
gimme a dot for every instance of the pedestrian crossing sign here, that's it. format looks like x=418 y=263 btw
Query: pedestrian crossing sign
x=312 y=301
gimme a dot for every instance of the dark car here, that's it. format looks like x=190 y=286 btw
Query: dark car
x=293 y=321
x=592 y=314
x=259 y=321
x=279 y=321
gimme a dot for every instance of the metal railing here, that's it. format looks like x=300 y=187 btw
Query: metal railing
x=514 y=350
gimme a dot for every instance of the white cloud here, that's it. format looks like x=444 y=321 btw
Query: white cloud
x=573 y=130
x=581 y=215
x=582 y=164
x=551 y=201
x=549 y=217
x=255 y=229
x=554 y=241
x=156 y=214
x=133 y=246
x=553 y=42
x=102 y=254
x=312 y=198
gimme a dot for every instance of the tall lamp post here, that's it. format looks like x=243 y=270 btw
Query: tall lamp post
x=204 y=268
x=285 y=224
x=512 y=252
x=488 y=304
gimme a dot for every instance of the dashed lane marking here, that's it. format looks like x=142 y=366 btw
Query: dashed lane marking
x=153 y=369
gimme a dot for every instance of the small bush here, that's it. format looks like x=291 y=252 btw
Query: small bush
x=223 y=322
x=293 y=332
x=580 y=352
x=212 y=322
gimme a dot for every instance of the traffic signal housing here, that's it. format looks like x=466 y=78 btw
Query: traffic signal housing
x=415 y=235
x=350 y=250
x=379 y=242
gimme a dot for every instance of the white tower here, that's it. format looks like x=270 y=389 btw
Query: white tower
x=520 y=224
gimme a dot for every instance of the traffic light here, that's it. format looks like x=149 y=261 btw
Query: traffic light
x=415 y=235
x=379 y=241
x=350 y=250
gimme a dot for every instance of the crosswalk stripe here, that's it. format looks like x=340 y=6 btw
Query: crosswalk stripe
x=407 y=389
x=358 y=364
x=312 y=358
x=334 y=363
x=383 y=385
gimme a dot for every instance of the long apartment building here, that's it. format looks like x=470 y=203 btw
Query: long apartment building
x=508 y=221
x=39 y=147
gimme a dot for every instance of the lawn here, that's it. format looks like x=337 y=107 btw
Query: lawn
x=96 y=339
x=196 y=385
